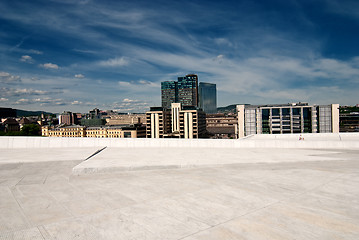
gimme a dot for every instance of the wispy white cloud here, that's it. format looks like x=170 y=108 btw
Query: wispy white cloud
x=223 y=41
x=48 y=101
x=4 y=99
x=27 y=59
x=6 y=77
x=33 y=51
x=115 y=62
x=128 y=49
x=137 y=86
x=348 y=8
x=76 y=102
x=49 y=66
x=11 y=92
x=130 y=105
x=79 y=76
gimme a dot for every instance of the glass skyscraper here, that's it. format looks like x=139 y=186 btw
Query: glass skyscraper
x=169 y=93
x=208 y=97
x=188 y=90
x=184 y=91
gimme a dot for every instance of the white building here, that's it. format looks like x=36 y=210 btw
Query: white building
x=287 y=119
x=179 y=122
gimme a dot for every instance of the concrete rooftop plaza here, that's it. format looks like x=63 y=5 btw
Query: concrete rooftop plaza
x=261 y=187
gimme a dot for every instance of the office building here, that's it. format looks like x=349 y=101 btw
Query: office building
x=184 y=91
x=287 y=119
x=169 y=93
x=208 y=97
x=178 y=122
x=69 y=118
x=188 y=90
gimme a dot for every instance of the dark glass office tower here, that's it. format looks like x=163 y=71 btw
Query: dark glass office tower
x=188 y=90
x=208 y=97
x=169 y=93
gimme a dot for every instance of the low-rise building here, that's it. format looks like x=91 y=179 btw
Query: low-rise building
x=179 y=122
x=222 y=126
x=11 y=125
x=64 y=131
x=136 y=131
x=127 y=119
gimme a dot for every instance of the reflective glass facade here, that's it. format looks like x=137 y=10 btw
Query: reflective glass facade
x=184 y=91
x=188 y=90
x=169 y=93
x=208 y=97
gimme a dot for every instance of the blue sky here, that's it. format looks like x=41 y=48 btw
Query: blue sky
x=58 y=55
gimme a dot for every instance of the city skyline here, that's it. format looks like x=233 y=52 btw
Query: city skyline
x=75 y=56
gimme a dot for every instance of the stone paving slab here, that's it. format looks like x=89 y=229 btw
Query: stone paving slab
x=312 y=194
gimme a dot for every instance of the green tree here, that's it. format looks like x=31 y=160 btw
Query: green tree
x=31 y=130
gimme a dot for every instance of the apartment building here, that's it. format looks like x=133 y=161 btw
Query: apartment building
x=179 y=122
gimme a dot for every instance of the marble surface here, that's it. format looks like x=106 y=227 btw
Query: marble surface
x=257 y=194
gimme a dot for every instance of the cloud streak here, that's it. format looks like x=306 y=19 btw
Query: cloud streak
x=8 y=78
x=49 y=66
x=26 y=59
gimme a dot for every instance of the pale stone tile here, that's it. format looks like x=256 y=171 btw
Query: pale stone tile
x=27 y=234
x=72 y=229
x=12 y=219
x=114 y=225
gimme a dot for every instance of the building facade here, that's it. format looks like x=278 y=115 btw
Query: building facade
x=158 y=121
x=69 y=118
x=66 y=131
x=178 y=122
x=169 y=93
x=126 y=119
x=208 y=97
x=136 y=131
x=222 y=126
x=287 y=119
x=184 y=91
x=188 y=90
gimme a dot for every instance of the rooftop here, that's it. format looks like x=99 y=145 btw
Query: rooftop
x=261 y=187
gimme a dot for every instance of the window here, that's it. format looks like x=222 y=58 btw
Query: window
x=285 y=111
x=296 y=111
x=275 y=111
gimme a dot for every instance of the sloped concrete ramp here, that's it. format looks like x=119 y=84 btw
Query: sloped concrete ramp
x=132 y=159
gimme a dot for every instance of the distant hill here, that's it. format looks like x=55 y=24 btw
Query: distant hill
x=229 y=108
x=24 y=113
